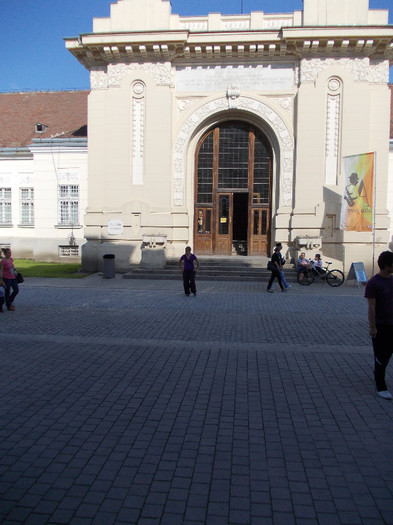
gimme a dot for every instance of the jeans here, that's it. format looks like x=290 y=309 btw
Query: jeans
x=283 y=280
x=383 y=347
x=8 y=284
x=275 y=274
x=189 y=281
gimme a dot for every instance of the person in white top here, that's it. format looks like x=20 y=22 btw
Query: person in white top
x=317 y=264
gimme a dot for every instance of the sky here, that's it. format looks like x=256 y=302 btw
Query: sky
x=33 y=54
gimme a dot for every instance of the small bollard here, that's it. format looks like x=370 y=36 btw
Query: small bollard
x=109 y=266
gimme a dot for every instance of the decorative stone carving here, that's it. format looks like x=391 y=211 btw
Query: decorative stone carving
x=332 y=137
x=184 y=103
x=98 y=78
x=111 y=76
x=334 y=84
x=67 y=176
x=362 y=69
x=261 y=110
x=25 y=179
x=162 y=72
x=138 y=111
x=236 y=25
x=285 y=103
x=277 y=23
x=151 y=240
x=379 y=72
x=138 y=88
x=194 y=26
x=233 y=93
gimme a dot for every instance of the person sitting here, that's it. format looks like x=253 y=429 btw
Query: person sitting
x=317 y=265
x=303 y=265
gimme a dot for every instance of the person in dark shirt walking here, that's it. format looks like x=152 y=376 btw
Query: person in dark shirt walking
x=186 y=265
x=276 y=267
x=379 y=294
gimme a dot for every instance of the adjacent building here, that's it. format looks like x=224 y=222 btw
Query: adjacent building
x=43 y=173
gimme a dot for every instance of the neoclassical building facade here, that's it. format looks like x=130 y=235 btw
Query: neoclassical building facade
x=228 y=132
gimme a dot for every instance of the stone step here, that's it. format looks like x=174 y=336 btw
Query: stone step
x=215 y=268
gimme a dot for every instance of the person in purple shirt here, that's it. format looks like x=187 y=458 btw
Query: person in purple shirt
x=379 y=294
x=186 y=265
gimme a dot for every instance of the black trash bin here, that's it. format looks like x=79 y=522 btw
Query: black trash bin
x=109 y=266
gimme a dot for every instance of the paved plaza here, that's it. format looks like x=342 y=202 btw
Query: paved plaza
x=124 y=401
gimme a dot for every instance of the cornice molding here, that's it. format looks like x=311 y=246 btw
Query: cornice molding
x=182 y=47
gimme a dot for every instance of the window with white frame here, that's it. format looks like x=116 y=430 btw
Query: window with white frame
x=5 y=206
x=27 y=206
x=69 y=204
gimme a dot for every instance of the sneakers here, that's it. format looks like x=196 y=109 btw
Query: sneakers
x=385 y=394
x=11 y=308
x=270 y=290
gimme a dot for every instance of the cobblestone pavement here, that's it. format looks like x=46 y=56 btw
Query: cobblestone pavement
x=126 y=402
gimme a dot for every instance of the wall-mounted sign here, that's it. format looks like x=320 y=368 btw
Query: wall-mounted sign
x=245 y=77
x=115 y=227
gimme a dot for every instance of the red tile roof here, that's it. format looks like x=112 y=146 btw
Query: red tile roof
x=63 y=112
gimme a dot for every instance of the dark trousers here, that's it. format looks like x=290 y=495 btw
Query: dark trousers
x=189 y=281
x=383 y=346
x=9 y=297
x=275 y=274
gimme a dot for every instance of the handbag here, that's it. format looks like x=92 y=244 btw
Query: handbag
x=271 y=266
x=19 y=278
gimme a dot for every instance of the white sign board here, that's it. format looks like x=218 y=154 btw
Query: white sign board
x=115 y=227
x=245 y=77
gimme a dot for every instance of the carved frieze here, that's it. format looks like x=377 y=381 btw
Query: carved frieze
x=98 y=78
x=162 y=72
x=113 y=74
x=362 y=69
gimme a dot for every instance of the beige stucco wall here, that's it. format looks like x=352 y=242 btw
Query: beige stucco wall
x=43 y=166
x=143 y=129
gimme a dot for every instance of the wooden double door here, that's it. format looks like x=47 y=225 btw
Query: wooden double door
x=233 y=191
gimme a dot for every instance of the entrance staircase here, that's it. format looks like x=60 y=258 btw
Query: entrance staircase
x=216 y=268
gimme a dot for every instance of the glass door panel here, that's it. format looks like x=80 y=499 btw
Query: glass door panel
x=203 y=230
x=224 y=224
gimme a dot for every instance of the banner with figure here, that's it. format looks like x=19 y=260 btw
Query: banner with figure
x=357 y=203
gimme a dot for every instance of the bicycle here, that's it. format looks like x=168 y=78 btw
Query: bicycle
x=334 y=277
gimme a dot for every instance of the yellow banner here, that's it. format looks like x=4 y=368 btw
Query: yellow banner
x=357 y=204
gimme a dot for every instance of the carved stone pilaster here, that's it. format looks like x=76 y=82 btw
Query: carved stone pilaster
x=138 y=131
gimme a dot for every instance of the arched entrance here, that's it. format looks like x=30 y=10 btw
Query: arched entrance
x=233 y=167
